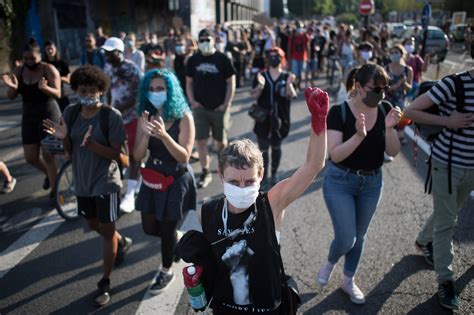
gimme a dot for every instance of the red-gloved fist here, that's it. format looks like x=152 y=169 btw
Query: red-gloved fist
x=318 y=105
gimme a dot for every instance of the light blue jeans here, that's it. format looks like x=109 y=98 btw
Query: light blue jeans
x=351 y=200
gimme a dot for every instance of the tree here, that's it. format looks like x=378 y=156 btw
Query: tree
x=324 y=7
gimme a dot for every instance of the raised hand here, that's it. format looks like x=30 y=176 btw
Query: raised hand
x=158 y=128
x=143 y=123
x=393 y=117
x=87 y=137
x=360 y=125
x=42 y=84
x=10 y=81
x=55 y=129
x=318 y=105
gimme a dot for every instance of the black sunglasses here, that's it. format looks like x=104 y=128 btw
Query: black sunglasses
x=207 y=40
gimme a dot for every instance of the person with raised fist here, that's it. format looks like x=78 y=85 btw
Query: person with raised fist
x=244 y=225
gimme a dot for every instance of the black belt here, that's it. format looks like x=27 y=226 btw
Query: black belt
x=358 y=172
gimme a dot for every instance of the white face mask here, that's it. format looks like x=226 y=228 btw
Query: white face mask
x=206 y=48
x=241 y=198
x=220 y=47
x=157 y=99
x=366 y=55
x=409 y=48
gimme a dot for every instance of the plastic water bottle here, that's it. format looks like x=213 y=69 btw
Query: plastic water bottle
x=192 y=282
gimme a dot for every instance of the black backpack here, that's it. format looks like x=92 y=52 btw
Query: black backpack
x=105 y=111
x=430 y=132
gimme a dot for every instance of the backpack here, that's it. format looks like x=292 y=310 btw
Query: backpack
x=105 y=110
x=431 y=132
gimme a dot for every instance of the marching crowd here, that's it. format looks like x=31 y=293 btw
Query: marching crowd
x=157 y=103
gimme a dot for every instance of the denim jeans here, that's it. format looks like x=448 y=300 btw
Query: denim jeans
x=439 y=228
x=351 y=200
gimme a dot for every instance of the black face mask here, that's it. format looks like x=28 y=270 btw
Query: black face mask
x=274 y=61
x=372 y=99
x=32 y=66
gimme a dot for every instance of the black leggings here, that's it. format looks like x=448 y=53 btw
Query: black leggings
x=264 y=146
x=166 y=230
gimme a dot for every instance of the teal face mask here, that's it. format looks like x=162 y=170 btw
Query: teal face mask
x=157 y=99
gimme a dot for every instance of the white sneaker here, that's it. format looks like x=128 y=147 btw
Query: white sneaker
x=387 y=158
x=356 y=295
x=127 y=205
x=324 y=274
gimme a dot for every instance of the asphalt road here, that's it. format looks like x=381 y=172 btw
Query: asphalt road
x=59 y=275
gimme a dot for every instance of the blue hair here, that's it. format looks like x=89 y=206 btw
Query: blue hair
x=175 y=106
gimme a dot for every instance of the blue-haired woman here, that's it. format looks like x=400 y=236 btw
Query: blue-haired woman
x=166 y=129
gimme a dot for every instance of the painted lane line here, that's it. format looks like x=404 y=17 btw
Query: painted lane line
x=23 y=246
x=167 y=301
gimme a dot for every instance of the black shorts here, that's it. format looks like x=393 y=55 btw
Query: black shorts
x=103 y=207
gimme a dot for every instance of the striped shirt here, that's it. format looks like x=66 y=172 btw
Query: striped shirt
x=443 y=94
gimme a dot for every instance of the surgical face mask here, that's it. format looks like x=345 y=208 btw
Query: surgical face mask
x=372 y=99
x=220 y=47
x=129 y=43
x=274 y=61
x=180 y=49
x=396 y=57
x=206 y=48
x=300 y=30
x=241 y=198
x=154 y=40
x=409 y=48
x=88 y=101
x=366 y=55
x=157 y=99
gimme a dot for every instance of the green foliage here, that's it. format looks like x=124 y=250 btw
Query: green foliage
x=324 y=7
x=347 y=18
x=7 y=14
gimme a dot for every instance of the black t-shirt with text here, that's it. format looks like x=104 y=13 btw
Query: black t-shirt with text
x=209 y=74
x=369 y=154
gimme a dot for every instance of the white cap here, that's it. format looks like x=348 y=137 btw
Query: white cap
x=113 y=43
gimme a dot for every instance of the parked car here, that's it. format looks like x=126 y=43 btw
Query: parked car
x=395 y=29
x=456 y=32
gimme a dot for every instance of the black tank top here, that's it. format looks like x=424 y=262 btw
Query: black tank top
x=160 y=159
x=248 y=275
x=30 y=92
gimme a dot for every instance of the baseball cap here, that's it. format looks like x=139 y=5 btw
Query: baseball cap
x=205 y=32
x=113 y=43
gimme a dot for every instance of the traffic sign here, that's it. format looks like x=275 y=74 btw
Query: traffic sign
x=426 y=16
x=365 y=7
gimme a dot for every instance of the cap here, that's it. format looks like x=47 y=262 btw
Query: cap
x=113 y=43
x=205 y=32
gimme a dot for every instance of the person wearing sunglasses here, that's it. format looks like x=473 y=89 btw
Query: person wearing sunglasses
x=210 y=87
x=359 y=132
x=92 y=55
x=39 y=84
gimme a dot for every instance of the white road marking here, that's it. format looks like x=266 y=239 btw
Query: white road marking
x=23 y=246
x=167 y=301
x=421 y=143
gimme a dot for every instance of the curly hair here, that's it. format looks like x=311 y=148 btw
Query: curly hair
x=175 y=106
x=90 y=76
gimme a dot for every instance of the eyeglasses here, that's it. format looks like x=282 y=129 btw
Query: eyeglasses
x=206 y=40
x=379 y=89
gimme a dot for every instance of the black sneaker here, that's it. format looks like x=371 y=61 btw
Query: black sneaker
x=204 y=180
x=103 y=292
x=447 y=296
x=426 y=251
x=161 y=282
x=46 y=183
x=8 y=186
x=123 y=249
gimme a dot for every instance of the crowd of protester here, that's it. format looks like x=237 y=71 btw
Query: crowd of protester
x=168 y=96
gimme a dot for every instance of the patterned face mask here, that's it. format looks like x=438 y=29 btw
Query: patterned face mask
x=88 y=101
